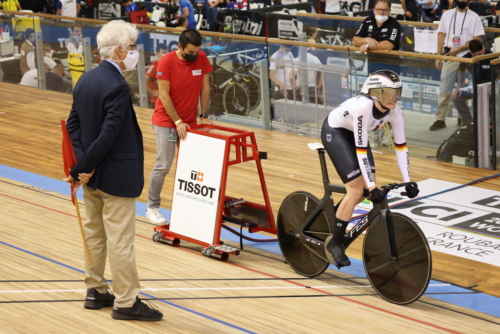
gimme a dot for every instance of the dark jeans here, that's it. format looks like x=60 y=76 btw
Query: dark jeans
x=461 y=104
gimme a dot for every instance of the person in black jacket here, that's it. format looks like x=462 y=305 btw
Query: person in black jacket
x=54 y=79
x=108 y=146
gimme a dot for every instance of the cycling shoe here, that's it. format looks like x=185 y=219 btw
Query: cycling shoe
x=336 y=253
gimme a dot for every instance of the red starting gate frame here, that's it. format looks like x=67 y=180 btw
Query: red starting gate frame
x=242 y=141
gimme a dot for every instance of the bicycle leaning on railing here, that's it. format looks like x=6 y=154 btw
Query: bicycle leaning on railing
x=396 y=255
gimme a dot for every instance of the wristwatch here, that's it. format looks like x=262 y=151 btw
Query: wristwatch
x=367 y=46
x=178 y=121
x=205 y=115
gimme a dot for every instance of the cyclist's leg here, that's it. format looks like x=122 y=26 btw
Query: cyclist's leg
x=340 y=146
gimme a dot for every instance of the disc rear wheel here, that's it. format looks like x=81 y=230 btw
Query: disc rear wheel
x=404 y=280
x=307 y=260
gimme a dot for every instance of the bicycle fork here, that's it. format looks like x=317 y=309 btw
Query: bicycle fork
x=391 y=238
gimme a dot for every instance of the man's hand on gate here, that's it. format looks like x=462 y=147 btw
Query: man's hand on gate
x=182 y=130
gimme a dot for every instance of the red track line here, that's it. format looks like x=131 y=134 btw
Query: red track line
x=269 y=275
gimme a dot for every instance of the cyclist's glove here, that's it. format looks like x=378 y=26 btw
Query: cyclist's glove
x=411 y=191
x=376 y=195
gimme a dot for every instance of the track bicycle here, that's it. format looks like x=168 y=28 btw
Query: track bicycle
x=396 y=255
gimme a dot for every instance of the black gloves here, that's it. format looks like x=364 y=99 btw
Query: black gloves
x=411 y=191
x=376 y=195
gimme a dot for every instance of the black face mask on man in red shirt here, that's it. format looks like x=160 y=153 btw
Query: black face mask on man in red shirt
x=189 y=57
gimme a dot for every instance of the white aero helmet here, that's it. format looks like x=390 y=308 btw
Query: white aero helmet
x=384 y=86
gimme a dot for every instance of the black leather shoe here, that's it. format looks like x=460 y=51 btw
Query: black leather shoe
x=96 y=300
x=437 y=125
x=139 y=311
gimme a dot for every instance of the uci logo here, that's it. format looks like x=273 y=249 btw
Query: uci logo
x=196 y=176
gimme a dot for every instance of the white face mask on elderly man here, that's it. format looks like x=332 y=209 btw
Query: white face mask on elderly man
x=381 y=18
x=130 y=61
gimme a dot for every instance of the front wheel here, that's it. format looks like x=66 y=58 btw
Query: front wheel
x=235 y=100
x=405 y=279
x=304 y=259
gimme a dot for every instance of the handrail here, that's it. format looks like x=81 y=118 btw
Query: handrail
x=316 y=45
x=486 y=56
x=495 y=62
x=417 y=55
x=403 y=23
x=141 y=26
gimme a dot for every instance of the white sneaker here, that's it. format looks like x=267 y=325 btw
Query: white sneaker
x=155 y=216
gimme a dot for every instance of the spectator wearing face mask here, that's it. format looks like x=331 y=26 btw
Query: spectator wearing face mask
x=47 y=50
x=381 y=32
x=54 y=79
x=74 y=44
x=152 y=82
x=28 y=55
x=279 y=73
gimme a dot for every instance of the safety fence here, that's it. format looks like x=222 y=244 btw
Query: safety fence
x=284 y=85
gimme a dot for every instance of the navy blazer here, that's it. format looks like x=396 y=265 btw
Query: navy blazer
x=105 y=134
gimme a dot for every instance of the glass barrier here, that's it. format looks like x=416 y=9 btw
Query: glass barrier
x=306 y=83
x=281 y=85
x=495 y=114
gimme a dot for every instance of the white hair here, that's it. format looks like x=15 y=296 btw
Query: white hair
x=115 y=33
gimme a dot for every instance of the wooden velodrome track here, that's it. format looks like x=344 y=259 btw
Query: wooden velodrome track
x=41 y=275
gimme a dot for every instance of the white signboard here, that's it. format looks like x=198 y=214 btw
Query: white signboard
x=463 y=222
x=426 y=40
x=197 y=187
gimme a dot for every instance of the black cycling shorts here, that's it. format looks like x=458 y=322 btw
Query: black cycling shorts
x=340 y=145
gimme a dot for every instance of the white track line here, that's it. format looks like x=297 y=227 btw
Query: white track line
x=223 y=288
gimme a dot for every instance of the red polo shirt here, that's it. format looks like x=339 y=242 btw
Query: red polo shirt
x=186 y=80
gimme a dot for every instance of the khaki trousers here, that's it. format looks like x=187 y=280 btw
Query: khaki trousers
x=110 y=229
x=448 y=80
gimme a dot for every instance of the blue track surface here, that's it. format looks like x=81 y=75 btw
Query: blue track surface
x=450 y=294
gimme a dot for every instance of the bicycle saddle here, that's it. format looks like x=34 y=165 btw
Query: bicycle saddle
x=315 y=146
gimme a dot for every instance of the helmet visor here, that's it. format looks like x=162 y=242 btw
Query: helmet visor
x=386 y=95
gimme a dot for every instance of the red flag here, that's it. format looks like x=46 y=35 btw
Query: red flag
x=69 y=158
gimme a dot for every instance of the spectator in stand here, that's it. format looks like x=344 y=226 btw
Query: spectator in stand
x=311 y=33
x=182 y=22
x=47 y=50
x=456 y=29
x=152 y=82
x=183 y=79
x=411 y=9
x=314 y=80
x=142 y=6
x=483 y=74
x=54 y=79
x=28 y=55
x=69 y=8
x=208 y=3
x=30 y=78
x=187 y=11
x=129 y=6
x=276 y=3
x=74 y=44
x=12 y=5
x=280 y=73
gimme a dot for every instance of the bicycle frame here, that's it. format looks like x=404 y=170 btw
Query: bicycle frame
x=326 y=204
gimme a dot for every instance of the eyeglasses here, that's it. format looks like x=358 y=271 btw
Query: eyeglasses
x=382 y=10
x=133 y=47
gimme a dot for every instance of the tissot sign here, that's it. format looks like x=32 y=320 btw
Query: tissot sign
x=464 y=222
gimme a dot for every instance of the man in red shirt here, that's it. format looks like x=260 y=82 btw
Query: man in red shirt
x=161 y=50
x=183 y=83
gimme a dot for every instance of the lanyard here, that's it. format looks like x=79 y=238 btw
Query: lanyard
x=455 y=21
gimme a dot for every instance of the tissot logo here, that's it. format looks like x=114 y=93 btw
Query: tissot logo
x=197 y=176
x=196 y=188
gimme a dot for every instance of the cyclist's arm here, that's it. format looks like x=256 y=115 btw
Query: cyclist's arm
x=398 y=127
x=360 y=129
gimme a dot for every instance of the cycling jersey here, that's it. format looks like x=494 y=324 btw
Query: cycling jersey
x=359 y=115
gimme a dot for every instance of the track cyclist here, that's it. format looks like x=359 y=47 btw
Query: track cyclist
x=345 y=137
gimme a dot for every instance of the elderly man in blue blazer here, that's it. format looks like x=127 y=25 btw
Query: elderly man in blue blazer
x=108 y=145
